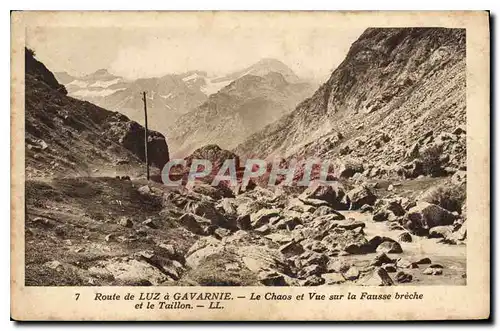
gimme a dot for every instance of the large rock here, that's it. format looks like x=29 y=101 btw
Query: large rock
x=348 y=167
x=206 y=209
x=390 y=247
x=263 y=216
x=291 y=249
x=197 y=257
x=194 y=223
x=130 y=134
x=334 y=194
x=425 y=216
x=360 y=196
x=258 y=258
x=392 y=208
x=442 y=231
x=379 y=277
x=341 y=239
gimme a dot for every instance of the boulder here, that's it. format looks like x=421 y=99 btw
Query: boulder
x=366 y=209
x=435 y=271
x=197 y=257
x=348 y=167
x=244 y=222
x=279 y=238
x=333 y=278
x=340 y=238
x=271 y=278
x=144 y=190
x=258 y=258
x=324 y=210
x=337 y=265
x=379 y=277
x=443 y=231
x=381 y=259
x=206 y=209
x=349 y=224
x=291 y=249
x=390 y=247
x=288 y=223
x=227 y=205
x=263 y=230
x=425 y=216
x=262 y=217
x=360 y=196
x=374 y=242
x=313 y=280
x=380 y=216
x=405 y=237
x=403 y=277
x=424 y=260
x=389 y=267
x=310 y=270
x=404 y=263
x=333 y=194
x=150 y=224
x=351 y=274
x=194 y=223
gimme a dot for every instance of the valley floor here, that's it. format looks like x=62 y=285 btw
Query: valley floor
x=108 y=231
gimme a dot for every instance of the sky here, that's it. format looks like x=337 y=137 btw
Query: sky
x=151 y=51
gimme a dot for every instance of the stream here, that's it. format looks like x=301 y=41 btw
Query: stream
x=452 y=257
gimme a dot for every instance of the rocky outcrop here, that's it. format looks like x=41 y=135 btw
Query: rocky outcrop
x=69 y=136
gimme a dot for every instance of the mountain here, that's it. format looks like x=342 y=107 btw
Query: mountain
x=262 y=68
x=65 y=136
x=398 y=92
x=169 y=96
x=243 y=107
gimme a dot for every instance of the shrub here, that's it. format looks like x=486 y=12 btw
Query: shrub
x=430 y=158
x=448 y=196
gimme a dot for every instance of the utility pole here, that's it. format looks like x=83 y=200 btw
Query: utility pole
x=146 y=134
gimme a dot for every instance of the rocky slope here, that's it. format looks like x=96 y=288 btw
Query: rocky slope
x=107 y=231
x=235 y=112
x=66 y=136
x=398 y=93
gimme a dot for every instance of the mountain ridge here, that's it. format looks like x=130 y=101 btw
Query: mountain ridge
x=378 y=102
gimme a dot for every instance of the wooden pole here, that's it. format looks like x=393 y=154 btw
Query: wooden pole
x=146 y=134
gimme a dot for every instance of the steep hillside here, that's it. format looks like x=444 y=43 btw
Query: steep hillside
x=65 y=136
x=398 y=91
x=238 y=110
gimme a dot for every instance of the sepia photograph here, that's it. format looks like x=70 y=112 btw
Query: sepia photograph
x=220 y=153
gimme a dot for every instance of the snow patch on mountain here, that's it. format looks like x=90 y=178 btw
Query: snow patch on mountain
x=96 y=93
x=105 y=84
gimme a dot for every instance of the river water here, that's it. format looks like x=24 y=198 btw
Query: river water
x=451 y=257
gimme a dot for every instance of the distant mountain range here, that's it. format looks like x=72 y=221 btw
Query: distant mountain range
x=274 y=90
x=238 y=110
